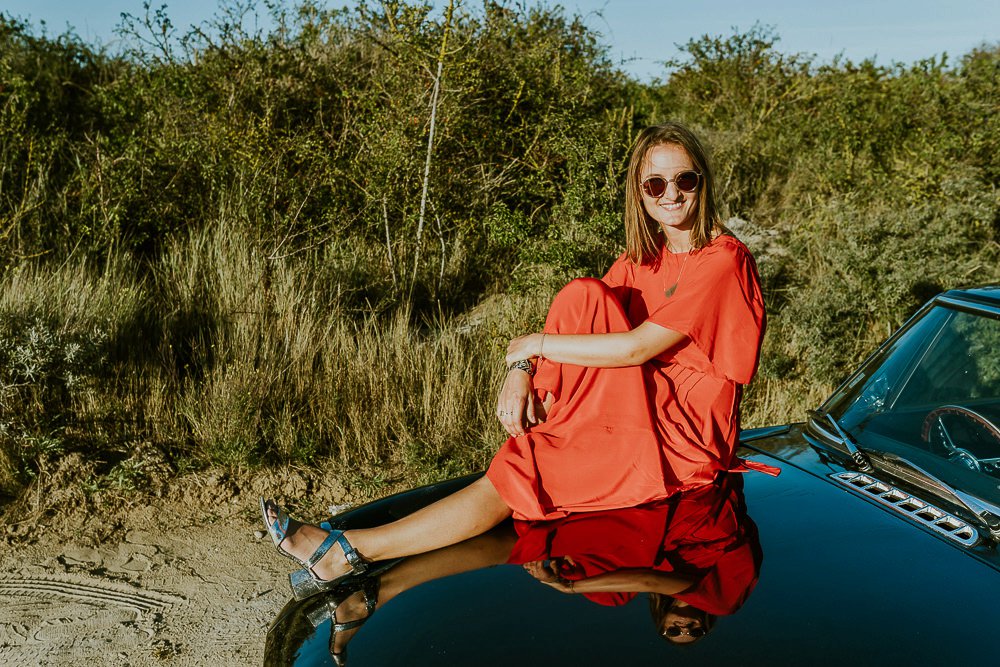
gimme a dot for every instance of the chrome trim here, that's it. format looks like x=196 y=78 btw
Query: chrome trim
x=973 y=306
x=925 y=514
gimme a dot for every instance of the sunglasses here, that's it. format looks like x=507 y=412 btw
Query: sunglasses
x=674 y=631
x=686 y=181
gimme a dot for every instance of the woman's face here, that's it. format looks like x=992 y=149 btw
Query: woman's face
x=684 y=624
x=674 y=210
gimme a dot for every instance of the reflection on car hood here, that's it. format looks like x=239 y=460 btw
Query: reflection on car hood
x=842 y=581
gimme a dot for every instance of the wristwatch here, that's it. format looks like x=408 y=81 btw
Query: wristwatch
x=522 y=365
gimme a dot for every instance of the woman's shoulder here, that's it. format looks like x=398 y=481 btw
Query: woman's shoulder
x=620 y=272
x=725 y=249
x=726 y=241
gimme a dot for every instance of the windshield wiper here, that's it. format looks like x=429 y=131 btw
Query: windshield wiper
x=858 y=455
x=986 y=514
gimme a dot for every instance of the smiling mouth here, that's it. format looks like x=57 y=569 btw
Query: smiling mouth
x=672 y=207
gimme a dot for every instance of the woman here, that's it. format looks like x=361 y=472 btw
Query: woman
x=637 y=377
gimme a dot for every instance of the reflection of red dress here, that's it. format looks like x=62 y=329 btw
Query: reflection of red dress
x=704 y=534
x=620 y=437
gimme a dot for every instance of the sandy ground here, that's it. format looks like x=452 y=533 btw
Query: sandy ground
x=184 y=579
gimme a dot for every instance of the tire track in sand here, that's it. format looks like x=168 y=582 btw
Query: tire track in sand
x=89 y=591
x=68 y=619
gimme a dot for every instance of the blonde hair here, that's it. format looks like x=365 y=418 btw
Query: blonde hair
x=642 y=234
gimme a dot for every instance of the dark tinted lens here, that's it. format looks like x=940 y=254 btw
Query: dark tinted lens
x=655 y=186
x=686 y=181
x=674 y=631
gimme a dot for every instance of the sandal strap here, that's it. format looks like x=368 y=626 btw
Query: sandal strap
x=370 y=590
x=277 y=529
x=351 y=554
x=348 y=625
x=321 y=550
x=281 y=523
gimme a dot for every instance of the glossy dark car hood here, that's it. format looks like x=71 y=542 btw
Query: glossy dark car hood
x=843 y=581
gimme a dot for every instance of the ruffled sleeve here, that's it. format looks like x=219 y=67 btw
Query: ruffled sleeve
x=719 y=306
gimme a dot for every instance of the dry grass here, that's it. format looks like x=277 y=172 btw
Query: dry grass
x=227 y=356
x=224 y=355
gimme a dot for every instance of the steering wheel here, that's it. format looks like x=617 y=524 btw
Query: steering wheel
x=956 y=453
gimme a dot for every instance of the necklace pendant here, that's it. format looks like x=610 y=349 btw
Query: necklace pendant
x=669 y=292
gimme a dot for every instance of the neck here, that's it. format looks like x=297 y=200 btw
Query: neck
x=677 y=240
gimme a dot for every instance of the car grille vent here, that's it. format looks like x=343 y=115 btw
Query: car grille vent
x=922 y=512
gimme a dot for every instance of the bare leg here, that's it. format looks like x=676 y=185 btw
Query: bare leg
x=464 y=514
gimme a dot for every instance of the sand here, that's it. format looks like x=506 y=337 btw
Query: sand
x=184 y=579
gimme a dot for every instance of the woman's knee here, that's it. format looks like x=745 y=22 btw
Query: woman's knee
x=581 y=304
x=585 y=286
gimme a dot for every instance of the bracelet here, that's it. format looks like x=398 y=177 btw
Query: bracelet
x=522 y=365
x=568 y=583
x=541 y=347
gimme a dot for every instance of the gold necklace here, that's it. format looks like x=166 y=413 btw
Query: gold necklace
x=669 y=291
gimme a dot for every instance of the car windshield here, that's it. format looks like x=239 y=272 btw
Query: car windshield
x=932 y=395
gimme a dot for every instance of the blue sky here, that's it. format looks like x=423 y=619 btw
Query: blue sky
x=642 y=33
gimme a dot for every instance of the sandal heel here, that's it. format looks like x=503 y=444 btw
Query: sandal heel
x=304 y=585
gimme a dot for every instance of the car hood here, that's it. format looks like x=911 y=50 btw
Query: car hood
x=842 y=580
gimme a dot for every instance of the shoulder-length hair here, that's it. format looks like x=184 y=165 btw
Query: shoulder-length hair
x=643 y=239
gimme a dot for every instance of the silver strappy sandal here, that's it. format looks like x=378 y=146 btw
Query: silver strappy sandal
x=305 y=583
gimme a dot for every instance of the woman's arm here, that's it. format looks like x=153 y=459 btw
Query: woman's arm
x=633 y=581
x=610 y=350
x=619 y=581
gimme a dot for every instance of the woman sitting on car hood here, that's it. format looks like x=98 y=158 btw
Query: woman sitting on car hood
x=630 y=393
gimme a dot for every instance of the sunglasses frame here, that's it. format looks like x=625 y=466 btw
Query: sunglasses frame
x=677 y=632
x=667 y=181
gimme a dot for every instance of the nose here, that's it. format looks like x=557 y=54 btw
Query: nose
x=673 y=193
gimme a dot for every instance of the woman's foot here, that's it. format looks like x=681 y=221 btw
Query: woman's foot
x=302 y=539
x=346 y=617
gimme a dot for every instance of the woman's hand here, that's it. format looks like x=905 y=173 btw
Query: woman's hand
x=544 y=572
x=524 y=347
x=516 y=402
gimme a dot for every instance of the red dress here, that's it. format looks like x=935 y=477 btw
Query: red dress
x=704 y=534
x=620 y=437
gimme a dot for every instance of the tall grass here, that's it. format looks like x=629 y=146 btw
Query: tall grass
x=229 y=356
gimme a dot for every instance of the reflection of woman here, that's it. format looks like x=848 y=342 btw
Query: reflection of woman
x=353 y=603
x=696 y=553
x=638 y=378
